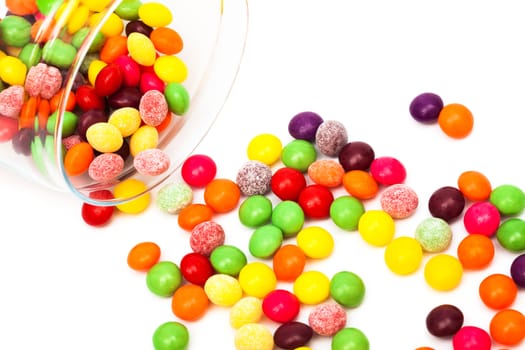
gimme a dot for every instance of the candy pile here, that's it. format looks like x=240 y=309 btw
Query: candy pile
x=127 y=91
x=279 y=193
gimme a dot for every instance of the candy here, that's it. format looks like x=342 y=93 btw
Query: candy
x=289 y=217
x=155 y=14
x=98 y=215
x=196 y=268
x=198 y=170
x=399 y=200
x=254 y=178
x=475 y=251
x=173 y=197
x=130 y=70
x=222 y=195
x=280 y=305
x=345 y=212
x=376 y=227
x=170 y=69
x=288 y=262
x=444 y=320
x=498 y=291
x=256 y=210
x=456 y=120
x=141 y=49
x=360 y=184
x=403 y=255
x=327 y=319
x=87 y=98
x=474 y=185
x=132 y=188
x=143 y=256
x=109 y=80
x=292 y=335
x=166 y=40
x=511 y=234
x=43 y=80
x=446 y=203
x=228 y=259
x=146 y=137
x=247 y=310
x=304 y=125
x=347 y=288
x=356 y=155
x=223 y=290
x=425 y=107
x=265 y=241
x=177 y=97
x=194 y=214
x=105 y=167
x=482 y=217
x=326 y=172
x=59 y=53
x=315 y=201
x=350 y=338
x=151 y=162
x=138 y=26
x=287 y=183
x=257 y=279
x=434 y=235
x=189 y=302
x=206 y=236
x=388 y=170
x=15 y=30
x=509 y=199
x=265 y=148
x=471 y=338
x=11 y=101
x=163 y=278
x=103 y=137
x=312 y=287
x=517 y=270
x=507 y=327
x=330 y=137
x=78 y=158
x=153 y=108
x=443 y=272
x=298 y=154
x=315 y=241
x=253 y=336
x=22 y=139
x=171 y=335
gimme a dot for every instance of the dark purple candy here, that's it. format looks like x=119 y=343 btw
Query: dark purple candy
x=517 y=270
x=356 y=155
x=22 y=141
x=138 y=27
x=425 y=108
x=446 y=203
x=124 y=151
x=293 y=334
x=444 y=320
x=89 y=118
x=125 y=97
x=303 y=126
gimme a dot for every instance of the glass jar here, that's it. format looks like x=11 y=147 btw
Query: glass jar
x=53 y=53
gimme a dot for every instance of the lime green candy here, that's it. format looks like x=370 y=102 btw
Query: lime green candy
x=345 y=212
x=59 y=53
x=164 y=278
x=289 y=217
x=509 y=199
x=171 y=335
x=80 y=36
x=48 y=6
x=128 y=9
x=350 y=338
x=227 y=259
x=69 y=123
x=255 y=211
x=265 y=241
x=30 y=54
x=298 y=154
x=177 y=97
x=15 y=31
x=347 y=289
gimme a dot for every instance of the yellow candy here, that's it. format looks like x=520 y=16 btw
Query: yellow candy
x=257 y=279
x=316 y=242
x=312 y=287
x=141 y=49
x=254 y=336
x=104 y=137
x=443 y=272
x=376 y=227
x=126 y=119
x=96 y=5
x=146 y=137
x=12 y=70
x=78 y=19
x=222 y=289
x=64 y=13
x=155 y=14
x=246 y=310
x=403 y=255
x=170 y=69
x=112 y=27
x=265 y=148
x=94 y=68
x=129 y=188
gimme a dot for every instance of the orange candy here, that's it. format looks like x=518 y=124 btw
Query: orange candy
x=189 y=302
x=28 y=112
x=143 y=256
x=21 y=7
x=475 y=251
x=222 y=195
x=507 y=327
x=456 y=120
x=288 y=262
x=194 y=214
x=41 y=34
x=360 y=184
x=57 y=99
x=474 y=185
x=114 y=47
x=498 y=291
x=78 y=158
x=326 y=172
x=166 y=40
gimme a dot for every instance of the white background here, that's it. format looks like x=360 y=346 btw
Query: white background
x=65 y=285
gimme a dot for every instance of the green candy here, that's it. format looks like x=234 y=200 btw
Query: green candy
x=255 y=211
x=171 y=335
x=80 y=36
x=265 y=241
x=511 y=234
x=227 y=259
x=345 y=212
x=30 y=54
x=15 y=31
x=59 y=53
x=48 y=6
x=509 y=199
x=298 y=154
x=164 y=278
x=347 y=289
x=177 y=97
x=128 y=9
x=350 y=338
x=289 y=217
x=69 y=123
x=434 y=234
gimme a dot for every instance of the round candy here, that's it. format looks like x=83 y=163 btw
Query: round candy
x=312 y=287
x=292 y=335
x=498 y=291
x=194 y=214
x=206 y=236
x=247 y=310
x=511 y=234
x=456 y=120
x=360 y=184
x=163 y=278
x=196 y=268
x=474 y=185
x=104 y=137
x=388 y=170
x=345 y=212
x=151 y=162
x=356 y=155
x=399 y=200
x=253 y=336
x=281 y=305
x=143 y=256
x=222 y=195
x=228 y=259
x=425 y=107
x=509 y=199
x=444 y=320
x=254 y=178
x=327 y=319
x=471 y=338
x=443 y=272
x=315 y=201
x=256 y=210
x=173 y=197
x=265 y=241
x=189 y=302
x=482 y=217
x=304 y=125
x=177 y=96
x=330 y=137
x=257 y=279
x=298 y=154
x=287 y=183
x=507 y=327
x=316 y=242
x=347 y=288
x=350 y=338
x=105 y=167
x=223 y=290
x=475 y=251
x=289 y=217
x=403 y=255
x=153 y=107
x=265 y=148
x=130 y=188
x=146 y=137
x=171 y=335
x=326 y=172
x=517 y=270
x=376 y=227
x=446 y=203
x=288 y=262
x=98 y=215
x=198 y=170
x=434 y=234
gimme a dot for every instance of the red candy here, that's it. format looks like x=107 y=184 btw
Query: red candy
x=109 y=80
x=196 y=268
x=315 y=200
x=87 y=98
x=281 y=305
x=151 y=162
x=98 y=215
x=388 y=170
x=287 y=183
x=8 y=128
x=150 y=81
x=105 y=167
x=399 y=200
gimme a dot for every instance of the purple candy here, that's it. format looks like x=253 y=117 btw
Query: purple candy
x=425 y=107
x=517 y=270
x=303 y=126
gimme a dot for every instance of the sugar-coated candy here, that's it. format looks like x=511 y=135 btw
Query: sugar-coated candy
x=326 y=172
x=253 y=336
x=312 y=287
x=327 y=319
x=304 y=125
x=228 y=259
x=151 y=162
x=434 y=234
x=11 y=101
x=443 y=272
x=347 y=288
x=43 y=80
x=444 y=320
x=257 y=279
x=247 y=310
x=425 y=107
x=173 y=197
x=171 y=335
x=330 y=137
x=223 y=290
x=356 y=155
x=105 y=167
x=399 y=200
x=206 y=236
x=446 y=203
x=254 y=178
x=350 y=338
x=471 y=338
x=153 y=107
x=292 y=335
x=163 y=278
x=281 y=305
x=403 y=255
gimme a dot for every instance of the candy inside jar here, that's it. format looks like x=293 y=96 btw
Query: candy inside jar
x=96 y=92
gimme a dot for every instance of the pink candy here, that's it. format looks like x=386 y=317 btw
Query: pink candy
x=388 y=171
x=151 y=162
x=206 y=236
x=482 y=218
x=11 y=101
x=153 y=107
x=327 y=319
x=105 y=167
x=399 y=200
x=43 y=80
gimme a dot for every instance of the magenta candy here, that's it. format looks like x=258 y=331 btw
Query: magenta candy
x=109 y=80
x=482 y=218
x=130 y=69
x=281 y=306
x=388 y=170
x=150 y=81
x=198 y=170
x=471 y=338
